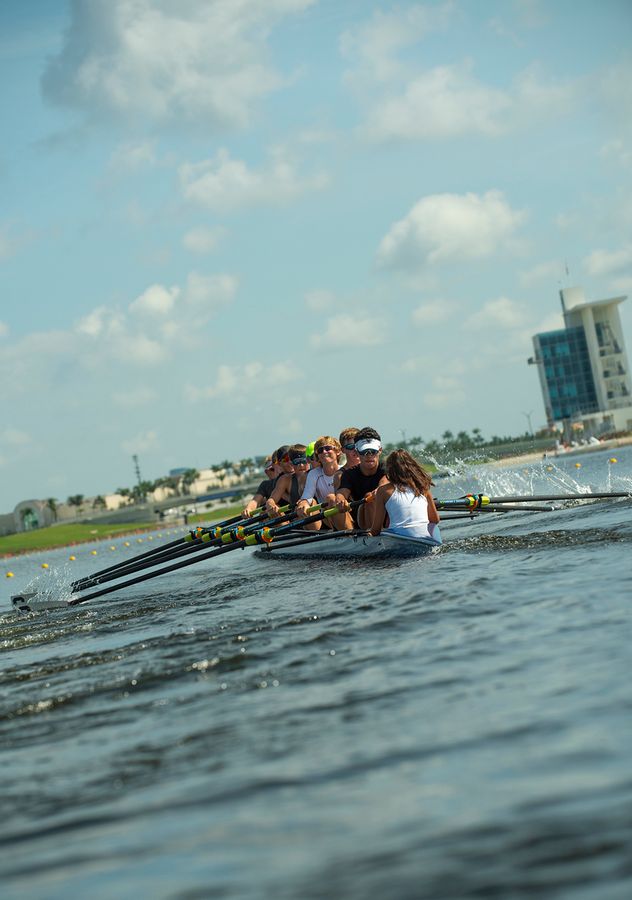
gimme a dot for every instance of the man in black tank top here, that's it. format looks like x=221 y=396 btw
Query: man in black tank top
x=356 y=483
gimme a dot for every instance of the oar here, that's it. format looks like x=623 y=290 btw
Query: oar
x=480 y=501
x=192 y=543
x=263 y=536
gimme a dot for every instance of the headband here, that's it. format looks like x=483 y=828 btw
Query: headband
x=367 y=444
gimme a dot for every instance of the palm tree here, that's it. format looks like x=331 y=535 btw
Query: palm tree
x=76 y=500
x=99 y=502
x=51 y=504
x=188 y=478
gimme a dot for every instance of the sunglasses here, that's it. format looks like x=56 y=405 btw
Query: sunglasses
x=350 y=446
x=328 y=448
x=368 y=452
x=300 y=461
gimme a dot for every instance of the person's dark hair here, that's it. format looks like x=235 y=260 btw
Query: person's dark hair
x=367 y=434
x=403 y=471
x=280 y=453
x=347 y=435
x=297 y=450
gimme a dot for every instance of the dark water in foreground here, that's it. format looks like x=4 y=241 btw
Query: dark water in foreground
x=449 y=727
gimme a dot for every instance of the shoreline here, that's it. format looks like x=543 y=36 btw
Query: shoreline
x=538 y=455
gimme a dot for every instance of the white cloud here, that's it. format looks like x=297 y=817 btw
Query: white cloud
x=243 y=383
x=442 y=102
x=130 y=156
x=406 y=102
x=319 y=300
x=432 y=313
x=449 y=101
x=372 y=47
x=224 y=184
x=4 y=329
x=350 y=330
x=140 y=350
x=157 y=300
x=444 y=228
x=203 y=240
x=500 y=313
x=158 y=323
x=196 y=62
x=604 y=262
x=209 y=292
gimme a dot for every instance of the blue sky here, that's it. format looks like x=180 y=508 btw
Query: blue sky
x=230 y=225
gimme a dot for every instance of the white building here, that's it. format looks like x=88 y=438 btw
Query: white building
x=583 y=368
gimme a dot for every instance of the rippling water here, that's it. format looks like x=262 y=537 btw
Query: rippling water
x=448 y=727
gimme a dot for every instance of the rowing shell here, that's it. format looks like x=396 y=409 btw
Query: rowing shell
x=341 y=544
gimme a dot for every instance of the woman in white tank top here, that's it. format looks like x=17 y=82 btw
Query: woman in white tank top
x=406 y=499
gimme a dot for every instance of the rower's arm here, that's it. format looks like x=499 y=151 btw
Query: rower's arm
x=377 y=508
x=257 y=501
x=280 y=488
x=433 y=514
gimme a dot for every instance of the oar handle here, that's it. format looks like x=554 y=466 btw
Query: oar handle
x=267 y=535
x=469 y=501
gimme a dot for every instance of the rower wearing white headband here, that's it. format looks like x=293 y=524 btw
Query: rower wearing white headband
x=356 y=483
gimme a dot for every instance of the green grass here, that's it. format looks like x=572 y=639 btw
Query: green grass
x=67 y=535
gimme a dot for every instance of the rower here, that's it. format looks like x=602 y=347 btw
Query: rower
x=289 y=486
x=359 y=482
x=406 y=499
x=347 y=442
x=264 y=490
x=319 y=483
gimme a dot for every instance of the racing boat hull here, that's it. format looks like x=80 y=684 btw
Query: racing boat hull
x=350 y=544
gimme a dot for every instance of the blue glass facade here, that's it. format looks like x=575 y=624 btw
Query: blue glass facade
x=569 y=379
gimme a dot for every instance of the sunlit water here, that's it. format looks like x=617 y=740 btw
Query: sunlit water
x=448 y=727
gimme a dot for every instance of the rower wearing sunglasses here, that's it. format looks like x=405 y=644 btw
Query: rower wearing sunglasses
x=289 y=485
x=359 y=481
x=319 y=484
x=347 y=442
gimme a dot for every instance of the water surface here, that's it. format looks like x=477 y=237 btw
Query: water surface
x=454 y=726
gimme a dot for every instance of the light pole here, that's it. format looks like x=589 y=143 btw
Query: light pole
x=528 y=415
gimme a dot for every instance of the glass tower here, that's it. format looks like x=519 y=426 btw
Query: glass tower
x=583 y=367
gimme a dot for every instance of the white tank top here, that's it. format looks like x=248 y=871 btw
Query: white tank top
x=407 y=514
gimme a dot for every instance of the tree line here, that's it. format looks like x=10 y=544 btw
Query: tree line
x=179 y=485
